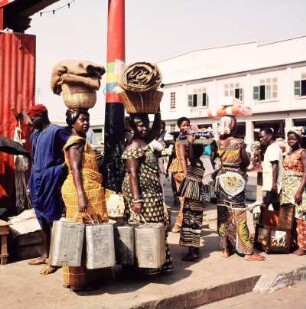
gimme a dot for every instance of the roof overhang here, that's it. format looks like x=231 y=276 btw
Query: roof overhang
x=16 y=13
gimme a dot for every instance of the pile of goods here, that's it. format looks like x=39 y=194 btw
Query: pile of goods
x=138 y=88
x=77 y=81
x=230 y=107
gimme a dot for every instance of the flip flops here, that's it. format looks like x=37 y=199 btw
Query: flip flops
x=38 y=261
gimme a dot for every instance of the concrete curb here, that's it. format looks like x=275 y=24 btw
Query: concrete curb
x=269 y=283
x=202 y=296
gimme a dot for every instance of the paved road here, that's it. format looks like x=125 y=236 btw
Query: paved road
x=287 y=298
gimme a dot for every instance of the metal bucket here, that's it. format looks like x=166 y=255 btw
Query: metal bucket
x=124 y=244
x=150 y=245
x=66 y=244
x=100 y=246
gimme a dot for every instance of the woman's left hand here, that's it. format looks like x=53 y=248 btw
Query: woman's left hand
x=82 y=203
x=137 y=207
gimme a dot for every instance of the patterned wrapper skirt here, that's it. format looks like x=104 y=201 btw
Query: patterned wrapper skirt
x=231 y=212
x=192 y=223
x=301 y=233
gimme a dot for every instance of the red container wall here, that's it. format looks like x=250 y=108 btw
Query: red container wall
x=17 y=94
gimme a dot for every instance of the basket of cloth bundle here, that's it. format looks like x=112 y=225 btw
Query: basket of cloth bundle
x=230 y=106
x=138 y=88
x=77 y=82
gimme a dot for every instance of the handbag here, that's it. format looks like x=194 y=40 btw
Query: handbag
x=114 y=204
x=66 y=243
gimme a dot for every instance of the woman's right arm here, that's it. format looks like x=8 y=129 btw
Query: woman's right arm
x=190 y=139
x=75 y=157
x=244 y=156
x=133 y=166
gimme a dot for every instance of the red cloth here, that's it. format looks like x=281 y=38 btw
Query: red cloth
x=37 y=110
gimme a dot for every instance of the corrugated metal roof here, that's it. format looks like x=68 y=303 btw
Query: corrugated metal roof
x=17 y=93
x=213 y=62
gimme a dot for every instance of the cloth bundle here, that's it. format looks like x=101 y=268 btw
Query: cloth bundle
x=140 y=77
x=77 y=81
x=138 y=88
x=230 y=106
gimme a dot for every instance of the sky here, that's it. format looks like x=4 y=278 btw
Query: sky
x=155 y=30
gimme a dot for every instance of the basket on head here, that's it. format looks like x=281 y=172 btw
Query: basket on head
x=78 y=96
x=141 y=102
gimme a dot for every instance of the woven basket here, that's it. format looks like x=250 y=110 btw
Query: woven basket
x=78 y=96
x=144 y=102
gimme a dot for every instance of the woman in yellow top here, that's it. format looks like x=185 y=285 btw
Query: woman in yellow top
x=82 y=191
x=178 y=168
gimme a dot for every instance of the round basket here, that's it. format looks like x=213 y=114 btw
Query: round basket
x=78 y=96
x=145 y=102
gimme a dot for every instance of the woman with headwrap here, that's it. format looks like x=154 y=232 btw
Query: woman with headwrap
x=294 y=182
x=230 y=188
x=47 y=176
x=141 y=187
x=82 y=191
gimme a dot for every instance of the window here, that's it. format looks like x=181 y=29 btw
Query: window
x=233 y=90
x=199 y=98
x=172 y=100
x=172 y=127
x=266 y=90
x=300 y=86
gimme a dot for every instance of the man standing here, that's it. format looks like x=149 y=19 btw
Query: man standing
x=47 y=176
x=272 y=169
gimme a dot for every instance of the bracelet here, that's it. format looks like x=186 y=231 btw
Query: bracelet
x=138 y=201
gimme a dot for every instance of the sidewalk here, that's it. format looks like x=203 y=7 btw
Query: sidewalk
x=190 y=285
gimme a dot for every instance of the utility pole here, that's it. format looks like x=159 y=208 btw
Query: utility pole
x=113 y=167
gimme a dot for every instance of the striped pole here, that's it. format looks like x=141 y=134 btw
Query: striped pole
x=113 y=167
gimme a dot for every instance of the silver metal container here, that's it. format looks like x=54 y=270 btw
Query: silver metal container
x=100 y=246
x=66 y=243
x=150 y=245
x=124 y=244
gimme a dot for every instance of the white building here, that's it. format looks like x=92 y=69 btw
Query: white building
x=270 y=78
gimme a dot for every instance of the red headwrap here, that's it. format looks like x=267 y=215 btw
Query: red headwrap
x=37 y=110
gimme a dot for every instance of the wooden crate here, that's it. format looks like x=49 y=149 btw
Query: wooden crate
x=4 y=232
x=274 y=232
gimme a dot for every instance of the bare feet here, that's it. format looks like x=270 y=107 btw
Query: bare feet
x=254 y=257
x=176 y=228
x=38 y=261
x=190 y=257
x=299 y=252
x=226 y=253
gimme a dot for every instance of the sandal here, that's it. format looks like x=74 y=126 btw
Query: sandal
x=48 y=269
x=38 y=261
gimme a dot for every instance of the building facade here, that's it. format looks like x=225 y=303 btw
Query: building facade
x=269 y=78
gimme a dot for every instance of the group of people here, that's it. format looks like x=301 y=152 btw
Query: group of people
x=65 y=180
x=283 y=176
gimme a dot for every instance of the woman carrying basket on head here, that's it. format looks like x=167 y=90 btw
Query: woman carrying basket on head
x=82 y=191
x=141 y=187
